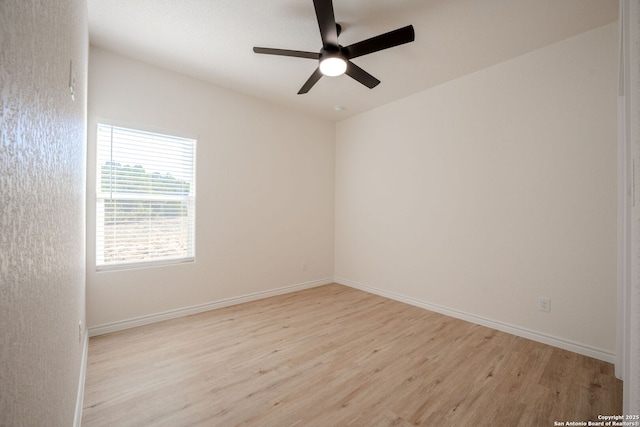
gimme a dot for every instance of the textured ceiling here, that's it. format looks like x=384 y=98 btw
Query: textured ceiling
x=212 y=40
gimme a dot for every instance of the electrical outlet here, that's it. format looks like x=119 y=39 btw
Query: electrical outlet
x=303 y=266
x=544 y=304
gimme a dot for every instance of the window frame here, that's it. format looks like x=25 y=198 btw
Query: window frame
x=104 y=196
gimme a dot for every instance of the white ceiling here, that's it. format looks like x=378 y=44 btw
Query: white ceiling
x=212 y=40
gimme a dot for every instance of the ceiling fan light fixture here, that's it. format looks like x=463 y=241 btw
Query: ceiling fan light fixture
x=333 y=66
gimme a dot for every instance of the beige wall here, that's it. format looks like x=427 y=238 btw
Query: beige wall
x=487 y=192
x=42 y=210
x=478 y=196
x=265 y=179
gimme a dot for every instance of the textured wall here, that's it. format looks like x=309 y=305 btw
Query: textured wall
x=42 y=205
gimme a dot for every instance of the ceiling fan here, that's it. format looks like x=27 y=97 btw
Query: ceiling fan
x=334 y=59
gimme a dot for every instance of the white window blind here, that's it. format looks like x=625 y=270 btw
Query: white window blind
x=145 y=209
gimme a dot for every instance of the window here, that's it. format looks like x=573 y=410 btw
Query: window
x=145 y=208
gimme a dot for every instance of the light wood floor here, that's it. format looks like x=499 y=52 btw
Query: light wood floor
x=335 y=356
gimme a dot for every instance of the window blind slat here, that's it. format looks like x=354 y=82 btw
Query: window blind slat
x=145 y=197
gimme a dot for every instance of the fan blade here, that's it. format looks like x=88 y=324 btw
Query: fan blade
x=326 y=22
x=383 y=41
x=310 y=81
x=361 y=75
x=286 y=52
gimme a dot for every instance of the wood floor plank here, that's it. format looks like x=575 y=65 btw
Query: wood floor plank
x=336 y=356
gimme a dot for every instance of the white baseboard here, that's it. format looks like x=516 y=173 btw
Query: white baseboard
x=186 y=311
x=494 y=324
x=77 y=419
x=490 y=323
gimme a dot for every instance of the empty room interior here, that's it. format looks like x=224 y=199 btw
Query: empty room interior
x=203 y=223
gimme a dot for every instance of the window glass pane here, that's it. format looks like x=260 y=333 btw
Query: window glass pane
x=146 y=197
